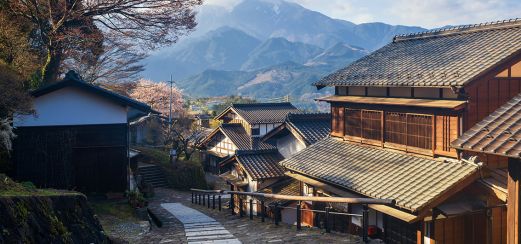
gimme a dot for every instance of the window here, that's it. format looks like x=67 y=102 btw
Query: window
x=396 y=128
x=366 y=124
x=377 y=91
x=419 y=131
x=414 y=130
x=341 y=90
x=372 y=125
x=353 y=125
x=255 y=131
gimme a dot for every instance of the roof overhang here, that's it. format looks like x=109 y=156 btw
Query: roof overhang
x=405 y=216
x=411 y=102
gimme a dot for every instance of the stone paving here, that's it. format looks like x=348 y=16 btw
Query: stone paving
x=199 y=228
x=245 y=230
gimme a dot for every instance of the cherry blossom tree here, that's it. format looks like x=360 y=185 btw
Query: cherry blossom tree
x=157 y=95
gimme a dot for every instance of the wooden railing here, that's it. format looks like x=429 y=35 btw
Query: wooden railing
x=202 y=197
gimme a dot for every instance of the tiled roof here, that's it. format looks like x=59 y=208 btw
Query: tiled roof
x=258 y=113
x=442 y=58
x=412 y=181
x=499 y=133
x=289 y=187
x=241 y=139
x=261 y=164
x=310 y=126
x=72 y=79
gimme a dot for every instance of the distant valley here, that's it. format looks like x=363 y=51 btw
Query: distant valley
x=265 y=48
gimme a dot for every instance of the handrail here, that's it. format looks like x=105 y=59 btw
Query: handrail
x=351 y=200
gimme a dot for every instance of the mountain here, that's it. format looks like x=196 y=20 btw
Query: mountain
x=265 y=48
x=338 y=55
x=279 y=50
x=225 y=48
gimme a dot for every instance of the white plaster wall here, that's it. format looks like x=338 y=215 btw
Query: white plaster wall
x=227 y=144
x=73 y=106
x=289 y=145
x=265 y=128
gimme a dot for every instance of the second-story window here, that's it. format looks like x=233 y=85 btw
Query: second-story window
x=364 y=124
x=400 y=130
x=255 y=131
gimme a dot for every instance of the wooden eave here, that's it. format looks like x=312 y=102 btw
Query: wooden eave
x=407 y=217
x=397 y=213
x=412 y=102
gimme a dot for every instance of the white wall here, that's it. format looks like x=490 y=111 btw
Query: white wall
x=73 y=106
x=289 y=145
x=265 y=128
x=225 y=146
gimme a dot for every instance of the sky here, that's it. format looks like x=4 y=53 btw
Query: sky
x=424 y=13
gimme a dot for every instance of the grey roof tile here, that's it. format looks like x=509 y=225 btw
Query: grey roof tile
x=499 y=133
x=412 y=181
x=310 y=126
x=238 y=135
x=443 y=58
x=259 y=113
x=261 y=164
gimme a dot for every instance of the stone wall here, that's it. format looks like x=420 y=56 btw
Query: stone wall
x=59 y=218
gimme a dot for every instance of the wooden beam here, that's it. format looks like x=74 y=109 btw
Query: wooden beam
x=514 y=177
x=407 y=217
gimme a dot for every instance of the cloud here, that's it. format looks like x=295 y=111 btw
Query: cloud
x=430 y=14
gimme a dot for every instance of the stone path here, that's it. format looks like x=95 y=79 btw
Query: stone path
x=199 y=228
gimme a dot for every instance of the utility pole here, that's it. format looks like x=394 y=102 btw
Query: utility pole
x=171 y=88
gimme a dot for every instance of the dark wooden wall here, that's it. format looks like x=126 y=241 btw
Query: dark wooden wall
x=91 y=158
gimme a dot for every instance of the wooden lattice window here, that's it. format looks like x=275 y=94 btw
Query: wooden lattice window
x=396 y=128
x=419 y=131
x=353 y=125
x=372 y=125
x=413 y=130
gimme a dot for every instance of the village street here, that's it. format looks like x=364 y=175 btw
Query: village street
x=237 y=229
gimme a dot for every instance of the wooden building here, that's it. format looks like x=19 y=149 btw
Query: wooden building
x=299 y=131
x=78 y=138
x=498 y=136
x=394 y=115
x=242 y=126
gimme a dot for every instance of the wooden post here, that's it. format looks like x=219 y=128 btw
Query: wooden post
x=365 y=224
x=213 y=201
x=192 y=197
x=328 y=229
x=219 y=200
x=208 y=200
x=204 y=200
x=251 y=208
x=514 y=176
x=277 y=209
x=232 y=204
x=263 y=211
x=299 y=216
x=241 y=212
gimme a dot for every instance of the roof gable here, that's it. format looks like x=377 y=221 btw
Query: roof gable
x=239 y=137
x=260 y=113
x=499 y=133
x=441 y=58
x=306 y=127
x=72 y=79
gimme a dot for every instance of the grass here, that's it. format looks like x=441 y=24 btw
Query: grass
x=10 y=188
x=116 y=208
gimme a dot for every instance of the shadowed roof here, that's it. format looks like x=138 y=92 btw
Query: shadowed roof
x=440 y=58
x=499 y=133
x=259 y=164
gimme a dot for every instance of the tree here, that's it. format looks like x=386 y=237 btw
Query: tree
x=157 y=95
x=183 y=135
x=15 y=50
x=119 y=63
x=64 y=26
x=14 y=100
